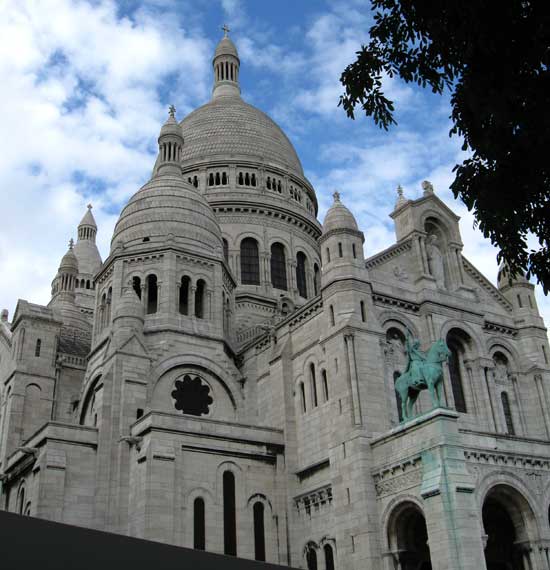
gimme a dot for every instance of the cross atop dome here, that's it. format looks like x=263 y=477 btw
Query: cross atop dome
x=172 y=111
x=71 y=243
x=226 y=30
x=336 y=196
x=89 y=206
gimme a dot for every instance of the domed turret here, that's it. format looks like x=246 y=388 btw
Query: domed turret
x=69 y=262
x=517 y=290
x=226 y=65
x=341 y=242
x=339 y=217
x=85 y=249
x=167 y=207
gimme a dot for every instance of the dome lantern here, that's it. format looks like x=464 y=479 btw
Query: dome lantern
x=170 y=146
x=226 y=66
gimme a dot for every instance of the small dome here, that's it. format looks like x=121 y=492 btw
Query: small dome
x=129 y=305
x=171 y=126
x=503 y=278
x=69 y=262
x=226 y=47
x=168 y=208
x=339 y=217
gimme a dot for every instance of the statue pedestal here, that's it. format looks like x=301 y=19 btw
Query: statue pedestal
x=423 y=461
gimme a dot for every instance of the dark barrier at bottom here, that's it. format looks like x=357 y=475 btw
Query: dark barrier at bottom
x=27 y=542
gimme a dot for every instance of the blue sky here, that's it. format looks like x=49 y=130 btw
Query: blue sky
x=87 y=84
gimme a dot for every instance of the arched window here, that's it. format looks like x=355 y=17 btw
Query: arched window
x=311 y=558
x=218 y=179
x=303 y=397
x=331 y=315
x=200 y=292
x=247 y=179
x=268 y=183
x=259 y=531
x=362 y=307
x=136 y=286
x=211 y=179
x=241 y=179
x=325 y=384
x=225 y=249
x=328 y=255
x=456 y=375
x=278 y=266
x=224 y=178
x=313 y=383
x=250 y=262
x=301 y=282
x=184 y=295
x=253 y=179
x=152 y=294
x=316 y=279
x=199 y=527
x=279 y=186
x=354 y=255
x=37 y=347
x=340 y=252
x=507 y=413
x=329 y=557
x=229 y=522
x=21 y=500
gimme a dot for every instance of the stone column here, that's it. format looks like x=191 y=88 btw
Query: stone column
x=493 y=401
x=352 y=368
x=191 y=303
x=517 y=393
x=543 y=402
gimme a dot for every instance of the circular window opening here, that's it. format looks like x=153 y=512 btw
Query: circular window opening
x=192 y=396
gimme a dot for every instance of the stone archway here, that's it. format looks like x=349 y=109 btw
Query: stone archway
x=509 y=525
x=408 y=538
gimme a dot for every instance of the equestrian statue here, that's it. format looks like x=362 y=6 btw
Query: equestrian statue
x=424 y=371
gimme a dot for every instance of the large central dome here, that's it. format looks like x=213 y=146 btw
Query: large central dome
x=229 y=126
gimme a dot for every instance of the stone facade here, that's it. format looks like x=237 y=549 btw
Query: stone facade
x=225 y=378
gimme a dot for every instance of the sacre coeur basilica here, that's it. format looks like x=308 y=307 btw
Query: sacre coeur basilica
x=225 y=379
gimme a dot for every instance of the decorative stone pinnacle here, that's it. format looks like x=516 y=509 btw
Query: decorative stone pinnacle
x=226 y=30
x=172 y=111
x=71 y=243
x=400 y=190
x=336 y=196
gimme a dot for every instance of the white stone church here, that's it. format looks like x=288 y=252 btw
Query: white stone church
x=224 y=380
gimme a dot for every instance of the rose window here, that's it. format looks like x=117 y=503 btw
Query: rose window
x=192 y=396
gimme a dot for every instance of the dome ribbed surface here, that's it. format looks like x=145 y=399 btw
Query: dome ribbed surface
x=226 y=47
x=69 y=261
x=168 y=205
x=227 y=127
x=339 y=218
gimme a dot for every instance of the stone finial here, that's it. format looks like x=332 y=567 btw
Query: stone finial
x=4 y=315
x=400 y=197
x=172 y=111
x=336 y=196
x=428 y=188
x=226 y=30
x=89 y=206
x=71 y=243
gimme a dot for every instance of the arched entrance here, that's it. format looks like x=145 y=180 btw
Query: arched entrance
x=510 y=527
x=408 y=538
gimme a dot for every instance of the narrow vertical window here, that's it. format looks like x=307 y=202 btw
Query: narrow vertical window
x=199 y=527
x=507 y=413
x=301 y=282
x=303 y=397
x=152 y=294
x=398 y=401
x=316 y=279
x=530 y=301
x=519 y=301
x=229 y=522
x=225 y=250
x=362 y=307
x=250 y=262
x=311 y=558
x=456 y=379
x=340 y=252
x=184 y=296
x=544 y=354
x=37 y=347
x=278 y=266
x=329 y=557
x=331 y=316
x=259 y=532
x=328 y=255
x=199 y=299
x=325 y=384
x=313 y=384
x=136 y=286
x=354 y=257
